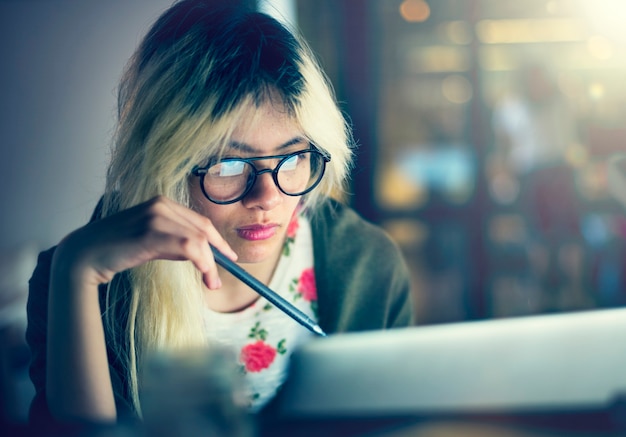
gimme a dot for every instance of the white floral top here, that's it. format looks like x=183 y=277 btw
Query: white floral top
x=261 y=335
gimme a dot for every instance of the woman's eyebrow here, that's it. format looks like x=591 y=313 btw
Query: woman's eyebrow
x=246 y=148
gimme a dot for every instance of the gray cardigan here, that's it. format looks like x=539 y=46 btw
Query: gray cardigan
x=362 y=284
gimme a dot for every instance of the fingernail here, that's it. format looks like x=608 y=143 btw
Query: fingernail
x=216 y=283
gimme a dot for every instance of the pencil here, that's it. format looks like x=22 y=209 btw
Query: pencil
x=267 y=293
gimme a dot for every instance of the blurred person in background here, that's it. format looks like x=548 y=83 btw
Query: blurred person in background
x=536 y=132
x=228 y=135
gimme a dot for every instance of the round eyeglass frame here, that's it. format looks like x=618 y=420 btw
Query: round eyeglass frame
x=202 y=171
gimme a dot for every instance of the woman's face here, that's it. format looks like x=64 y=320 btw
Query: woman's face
x=255 y=227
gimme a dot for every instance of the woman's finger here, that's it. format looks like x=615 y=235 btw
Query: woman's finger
x=203 y=223
x=156 y=229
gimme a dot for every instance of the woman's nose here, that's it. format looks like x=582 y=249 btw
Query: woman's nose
x=264 y=193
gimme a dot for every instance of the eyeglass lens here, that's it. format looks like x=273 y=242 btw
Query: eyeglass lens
x=295 y=174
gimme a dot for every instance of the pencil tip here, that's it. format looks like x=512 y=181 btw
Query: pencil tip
x=319 y=331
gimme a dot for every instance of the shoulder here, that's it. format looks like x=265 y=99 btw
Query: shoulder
x=362 y=278
x=338 y=229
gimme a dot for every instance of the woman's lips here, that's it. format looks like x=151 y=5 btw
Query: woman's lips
x=257 y=232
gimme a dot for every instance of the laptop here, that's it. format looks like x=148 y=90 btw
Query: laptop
x=544 y=363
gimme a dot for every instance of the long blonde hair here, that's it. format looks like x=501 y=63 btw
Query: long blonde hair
x=199 y=70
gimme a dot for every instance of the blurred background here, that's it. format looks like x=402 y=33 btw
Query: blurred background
x=485 y=128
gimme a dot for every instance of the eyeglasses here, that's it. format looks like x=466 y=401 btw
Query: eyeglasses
x=229 y=180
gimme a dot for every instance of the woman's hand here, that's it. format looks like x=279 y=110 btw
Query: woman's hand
x=92 y=255
x=157 y=229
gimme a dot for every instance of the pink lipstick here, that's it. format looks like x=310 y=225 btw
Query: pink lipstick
x=257 y=232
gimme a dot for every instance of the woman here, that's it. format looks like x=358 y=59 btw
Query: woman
x=228 y=135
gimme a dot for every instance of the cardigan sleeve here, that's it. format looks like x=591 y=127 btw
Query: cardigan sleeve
x=362 y=279
x=36 y=334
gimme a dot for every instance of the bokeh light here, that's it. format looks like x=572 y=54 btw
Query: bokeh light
x=415 y=11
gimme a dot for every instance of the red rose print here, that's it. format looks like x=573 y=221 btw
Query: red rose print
x=293 y=227
x=257 y=356
x=306 y=285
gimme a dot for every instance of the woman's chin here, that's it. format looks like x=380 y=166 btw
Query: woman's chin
x=258 y=253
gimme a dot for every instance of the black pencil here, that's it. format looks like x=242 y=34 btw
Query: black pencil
x=267 y=293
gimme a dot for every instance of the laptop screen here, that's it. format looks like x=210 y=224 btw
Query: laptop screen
x=535 y=363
